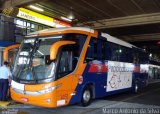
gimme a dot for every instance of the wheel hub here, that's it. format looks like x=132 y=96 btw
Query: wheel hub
x=86 y=96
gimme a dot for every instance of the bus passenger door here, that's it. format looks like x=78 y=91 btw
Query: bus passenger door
x=66 y=65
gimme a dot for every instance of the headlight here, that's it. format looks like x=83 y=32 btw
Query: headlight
x=35 y=93
x=49 y=89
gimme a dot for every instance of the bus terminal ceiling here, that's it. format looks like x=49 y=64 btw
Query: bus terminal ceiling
x=135 y=21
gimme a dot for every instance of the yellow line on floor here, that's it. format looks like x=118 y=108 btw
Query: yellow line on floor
x=4 y=103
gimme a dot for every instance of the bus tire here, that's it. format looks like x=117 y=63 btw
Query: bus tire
x=86 y=97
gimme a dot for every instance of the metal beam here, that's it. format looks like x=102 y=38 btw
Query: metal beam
x=18 y=3
x=124 y=21
x=141 y=37
x=10 y=7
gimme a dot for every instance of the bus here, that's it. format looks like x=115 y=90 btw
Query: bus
x=153 y=69
x=58 y=67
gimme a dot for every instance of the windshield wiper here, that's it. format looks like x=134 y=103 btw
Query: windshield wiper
x=30 y=66
x=26 y=66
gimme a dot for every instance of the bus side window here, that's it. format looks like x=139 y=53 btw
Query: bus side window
x=121 y=54
x=99 y=50
x=124 y=54
x=129 y=55
x=143 y=57
x=115 y=52
x=91 y=51
x=107 y=51
x=95 y=48
x=135 y=57
x=104 y=55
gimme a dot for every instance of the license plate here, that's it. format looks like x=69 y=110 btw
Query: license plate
x=24 y=99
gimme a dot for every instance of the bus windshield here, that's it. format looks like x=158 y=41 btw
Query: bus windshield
x=33 y=64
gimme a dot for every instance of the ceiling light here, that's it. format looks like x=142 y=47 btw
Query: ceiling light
x=150 y=54
x=36 y=8
x=71 y=17
x=67 y=19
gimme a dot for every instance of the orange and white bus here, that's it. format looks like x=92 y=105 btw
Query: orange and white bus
x=57 y=67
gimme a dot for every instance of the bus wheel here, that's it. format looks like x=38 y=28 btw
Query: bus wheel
x=86 y=97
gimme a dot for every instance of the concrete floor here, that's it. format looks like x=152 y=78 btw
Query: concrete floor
x=147 y=101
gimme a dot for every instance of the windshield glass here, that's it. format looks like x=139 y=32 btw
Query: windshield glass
x=33 y=63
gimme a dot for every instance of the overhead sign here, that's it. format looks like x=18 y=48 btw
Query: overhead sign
x=39 y=18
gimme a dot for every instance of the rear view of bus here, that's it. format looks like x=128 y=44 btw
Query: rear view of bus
x=49 y=66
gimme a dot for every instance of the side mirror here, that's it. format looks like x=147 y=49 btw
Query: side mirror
x=54 y=48
x=6 y=50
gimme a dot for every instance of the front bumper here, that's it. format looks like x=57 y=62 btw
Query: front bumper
x=44 y=100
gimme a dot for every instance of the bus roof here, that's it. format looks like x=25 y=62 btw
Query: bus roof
x=116 y=40
x=85 y=29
